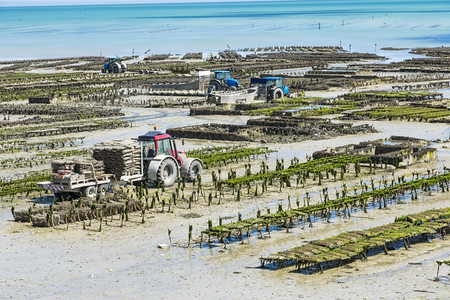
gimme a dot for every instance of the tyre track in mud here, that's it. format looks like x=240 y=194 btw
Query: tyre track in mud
x=136 y=117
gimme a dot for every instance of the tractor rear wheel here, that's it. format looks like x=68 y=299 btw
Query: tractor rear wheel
x=195 y=169
x=167 y=172
x=115 y=68
x=214 y=85
x=277 y=93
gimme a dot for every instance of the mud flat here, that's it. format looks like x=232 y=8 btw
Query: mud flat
x=89 y=256
x=92 y=257
x=97 y=250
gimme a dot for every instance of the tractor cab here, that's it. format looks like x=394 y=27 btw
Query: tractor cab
x=222 y=75
x=155 y=143
x=225 y=80
x=273 y=81
x=112 y=60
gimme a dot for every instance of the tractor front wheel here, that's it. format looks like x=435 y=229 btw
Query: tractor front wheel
x=167 y=172
x=195 y=169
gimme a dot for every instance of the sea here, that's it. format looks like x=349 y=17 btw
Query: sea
x=178 y=28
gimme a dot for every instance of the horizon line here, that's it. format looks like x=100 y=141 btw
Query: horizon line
x=13 y=4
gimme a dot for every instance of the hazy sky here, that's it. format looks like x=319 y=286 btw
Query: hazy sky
x=84 y=2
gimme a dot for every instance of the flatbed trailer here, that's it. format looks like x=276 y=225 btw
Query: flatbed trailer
x=71 y=187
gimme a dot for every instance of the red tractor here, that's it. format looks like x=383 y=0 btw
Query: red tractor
x=162 y=162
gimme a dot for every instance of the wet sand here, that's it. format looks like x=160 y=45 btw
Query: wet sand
x=125 y=262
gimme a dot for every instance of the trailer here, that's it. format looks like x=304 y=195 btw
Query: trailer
x=67 y=185
x=232 y=97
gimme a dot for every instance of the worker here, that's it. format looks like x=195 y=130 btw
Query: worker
x=149 y=150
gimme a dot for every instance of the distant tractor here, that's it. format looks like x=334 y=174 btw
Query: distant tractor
x=270 y=87
x=114 y=65
x=222 y=81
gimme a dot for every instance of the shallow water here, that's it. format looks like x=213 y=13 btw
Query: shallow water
x=110 y=30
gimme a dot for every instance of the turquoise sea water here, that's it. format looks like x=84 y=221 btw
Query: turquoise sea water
x=109 y=30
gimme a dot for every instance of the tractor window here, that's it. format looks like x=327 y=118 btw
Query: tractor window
x=278 y=82
x=148 y=149
x=220 y=75
x=164 y=147
x=270 y=83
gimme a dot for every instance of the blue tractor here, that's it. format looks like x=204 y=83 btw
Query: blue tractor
x=270 y=87
x=114 y=65
x=222 y=81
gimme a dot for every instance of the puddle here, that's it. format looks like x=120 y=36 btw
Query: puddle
x=45 y=200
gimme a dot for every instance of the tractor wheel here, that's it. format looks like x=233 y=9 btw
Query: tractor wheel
x=233 y=88
x=167 y=172
x=214 y=85
x=102 y=189
x=103 y=70
x=90 y=191
x=277 y=93
x=115 y=68
x=195 y=169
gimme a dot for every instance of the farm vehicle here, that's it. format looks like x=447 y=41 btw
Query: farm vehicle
x=224 y=90
x=271 y=88
x=114 y=65
x=222 y=81
x=152 y=157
